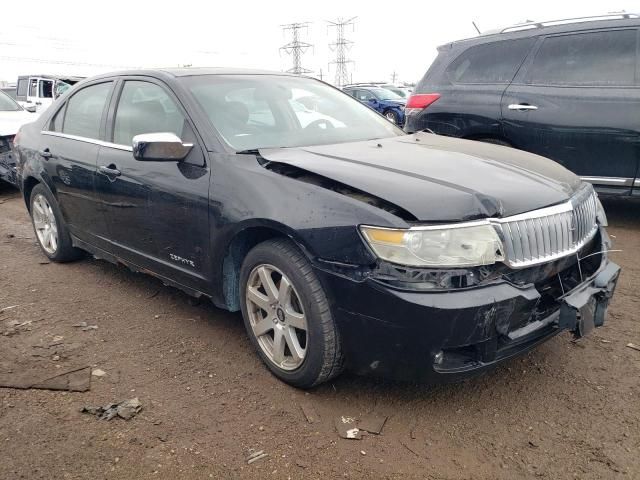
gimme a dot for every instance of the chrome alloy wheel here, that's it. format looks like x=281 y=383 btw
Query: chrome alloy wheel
x=390 y=116
x=276 y=316
x=45 y=225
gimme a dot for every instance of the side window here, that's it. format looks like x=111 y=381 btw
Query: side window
x=145 y=107
x=84 y=111
x=365 y=95
x=56 y=122
x=46 y=89
x=586 y=59
x=495 y=62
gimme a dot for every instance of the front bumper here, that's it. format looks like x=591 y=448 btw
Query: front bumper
x=444 y=336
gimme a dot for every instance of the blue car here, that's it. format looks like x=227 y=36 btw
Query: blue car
x=384 y=101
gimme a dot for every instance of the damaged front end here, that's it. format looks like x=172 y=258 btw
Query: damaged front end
x=449 y=297
x=447 y=324
x=7 y=160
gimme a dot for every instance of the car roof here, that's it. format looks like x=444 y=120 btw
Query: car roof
x=192 y=72
x=53 y=77
x=534 y=29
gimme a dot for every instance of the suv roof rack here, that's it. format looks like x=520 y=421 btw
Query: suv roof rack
x=551 y=23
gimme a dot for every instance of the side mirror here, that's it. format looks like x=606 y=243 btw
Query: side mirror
x=30 y=109
x=159 y=147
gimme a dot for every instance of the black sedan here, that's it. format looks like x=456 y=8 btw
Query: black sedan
x=343 y=241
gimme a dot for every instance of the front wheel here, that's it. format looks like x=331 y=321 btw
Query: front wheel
x=49 y=226
x=287 y=317
x=392 y=116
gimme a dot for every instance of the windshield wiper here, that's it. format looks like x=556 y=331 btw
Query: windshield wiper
x=249 y=151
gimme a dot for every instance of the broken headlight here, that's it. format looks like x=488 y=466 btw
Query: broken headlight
x=464 y=245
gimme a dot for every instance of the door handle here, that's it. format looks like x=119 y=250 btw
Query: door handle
x=46 y=154
x=522 y=106
x=110 y=171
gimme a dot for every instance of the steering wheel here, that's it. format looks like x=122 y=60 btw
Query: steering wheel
x=320 y=124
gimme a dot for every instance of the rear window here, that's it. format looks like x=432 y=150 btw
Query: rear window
x=586 y=59
x=495 y=62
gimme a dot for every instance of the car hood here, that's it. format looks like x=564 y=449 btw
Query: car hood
x=10 y=122
x=438 y=179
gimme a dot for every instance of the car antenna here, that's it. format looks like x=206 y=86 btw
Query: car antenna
x=476 y=27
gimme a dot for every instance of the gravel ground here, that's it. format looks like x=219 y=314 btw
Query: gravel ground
x=566 y=410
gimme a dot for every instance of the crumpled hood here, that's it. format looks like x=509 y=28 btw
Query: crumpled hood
x=10 y=122
x=437 y=178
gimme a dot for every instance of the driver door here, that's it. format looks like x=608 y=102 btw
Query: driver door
x=156 y=211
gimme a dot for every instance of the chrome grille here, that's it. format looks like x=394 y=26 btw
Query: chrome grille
x=549 y=233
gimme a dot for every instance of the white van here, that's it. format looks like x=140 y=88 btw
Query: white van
x=41 y=90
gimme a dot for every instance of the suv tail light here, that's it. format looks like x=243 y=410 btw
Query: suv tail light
x=420 y=101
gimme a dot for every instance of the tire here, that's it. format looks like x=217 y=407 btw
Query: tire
x=494 y=141
x=48 y=225
x=318 y=355
x=392 y=116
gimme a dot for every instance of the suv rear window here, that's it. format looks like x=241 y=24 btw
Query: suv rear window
x=495 y=62
x=586 y=59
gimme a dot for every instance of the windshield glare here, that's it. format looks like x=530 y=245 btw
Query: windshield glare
x=7 y=104
x=263 y=111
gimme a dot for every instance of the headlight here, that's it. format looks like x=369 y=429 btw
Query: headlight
x=600 y=215
x=439 y=246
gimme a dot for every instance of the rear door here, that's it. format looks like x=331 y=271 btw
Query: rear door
x=577 y=101
x=470 y=89
x=69 y=150
x=157 y=212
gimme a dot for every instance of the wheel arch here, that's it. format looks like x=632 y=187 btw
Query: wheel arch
x=235 y=251
x=28 y=185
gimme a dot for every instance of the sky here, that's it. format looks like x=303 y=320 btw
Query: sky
x=90 y=37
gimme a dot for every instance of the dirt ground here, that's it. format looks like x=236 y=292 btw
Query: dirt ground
x=566 y=410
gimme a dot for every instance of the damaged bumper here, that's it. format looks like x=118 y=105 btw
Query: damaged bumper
x=444 y=336
x=8 y=167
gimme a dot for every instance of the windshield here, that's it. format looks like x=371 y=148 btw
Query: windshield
x=7 y=104
x=262 y=111
x=384 y=94
x=398 y=91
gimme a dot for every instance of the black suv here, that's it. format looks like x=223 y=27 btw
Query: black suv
x=568 y=90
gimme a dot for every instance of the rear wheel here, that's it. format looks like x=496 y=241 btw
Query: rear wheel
x=287 y=315
x=49 y=226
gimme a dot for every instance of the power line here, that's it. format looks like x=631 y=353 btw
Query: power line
x=296 y=47
x=62 y=62
x=341 y=46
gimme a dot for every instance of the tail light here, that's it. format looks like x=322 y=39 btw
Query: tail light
x=420 y=101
